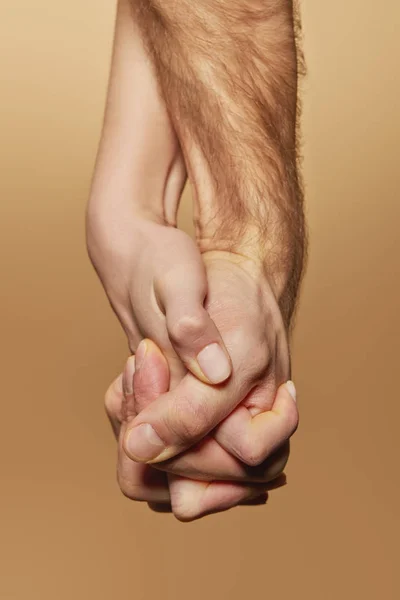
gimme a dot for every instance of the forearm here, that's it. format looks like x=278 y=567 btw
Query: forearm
x=228 y=73
x=139 y=162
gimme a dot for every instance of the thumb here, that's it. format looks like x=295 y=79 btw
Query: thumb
x=193 y=334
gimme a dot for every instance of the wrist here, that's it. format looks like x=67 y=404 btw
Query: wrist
x=153 y=194
x=267 y=258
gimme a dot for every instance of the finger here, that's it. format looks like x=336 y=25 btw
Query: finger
x=138 y=482
x=141 y=482
x=208 y=461
x=181 y=294
x=252 y=439
x=151 y=377
x=113 y=402
x=181 y=417
x=128 y=411
x=191 y=500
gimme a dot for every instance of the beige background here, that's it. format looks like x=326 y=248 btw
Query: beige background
x=66 y=532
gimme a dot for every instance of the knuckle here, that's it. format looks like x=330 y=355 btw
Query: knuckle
x=131 y=490
x=257 y=363
x=187 y=328
x=184 y=509
x=252 y=453
x=255 y=450
x=249 y=450
x=261 y=359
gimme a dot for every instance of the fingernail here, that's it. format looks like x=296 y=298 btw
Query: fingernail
x=143 y=444
x=214 y=363
x=127 y=376
x=291 y=388
x=140 y=354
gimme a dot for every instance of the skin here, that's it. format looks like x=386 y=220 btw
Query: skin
x=185 y=295
x=188 y=499
x=227 y=71
x=139 y=255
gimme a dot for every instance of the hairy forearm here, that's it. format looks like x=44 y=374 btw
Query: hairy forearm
x=228 y=72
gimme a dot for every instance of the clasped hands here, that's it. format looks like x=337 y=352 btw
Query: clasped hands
x=202 y=413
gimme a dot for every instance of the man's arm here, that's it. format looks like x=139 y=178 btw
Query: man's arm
x=228 y=72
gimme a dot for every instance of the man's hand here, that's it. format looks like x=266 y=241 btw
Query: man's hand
x=186 y=498
x=228 y=74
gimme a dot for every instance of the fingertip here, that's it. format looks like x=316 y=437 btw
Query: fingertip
x=146 y=349
x=127 y=376
x=113 y=402
x=291 y=388
x=192 y=500
x=286 y=406
x=153 y=349
x=149 y=355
